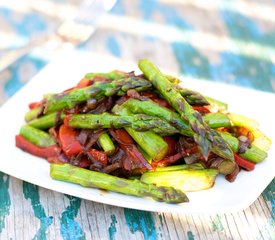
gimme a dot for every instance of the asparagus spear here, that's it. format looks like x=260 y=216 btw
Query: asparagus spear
x=191 y=96
x=253 y=154
x=214 y=120
x=106 y=143
x=203 y=135
x=155 y=112
x=217 y=104
x=139 y=122
x=88 y=178
x=242 y=121
x=179 y=167
x=149 y=107
x=196 y=98
x=46 y=121
x=98 y=90
x=33 y=114
x=231 y=140
x=36 y=136
x=217 y=120
x=112 y=75
x=260 y=139
x=188 y=179
x=172 y=79
x=150 y=142
x=148 y=158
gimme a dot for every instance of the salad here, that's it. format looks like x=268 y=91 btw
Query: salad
x=142 y=135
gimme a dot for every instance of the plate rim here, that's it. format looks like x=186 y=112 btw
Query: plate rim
x=239 y=207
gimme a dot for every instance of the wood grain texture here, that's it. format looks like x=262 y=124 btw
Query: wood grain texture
x=44 y=214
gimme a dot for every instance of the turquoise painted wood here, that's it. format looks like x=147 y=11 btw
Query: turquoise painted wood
x=222 y=41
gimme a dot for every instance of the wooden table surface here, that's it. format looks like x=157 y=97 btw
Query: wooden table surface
x=226 y=41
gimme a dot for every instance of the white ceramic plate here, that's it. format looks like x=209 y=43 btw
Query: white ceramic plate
x=66 y=71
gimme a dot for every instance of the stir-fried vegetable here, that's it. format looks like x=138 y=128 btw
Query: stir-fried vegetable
x=114 y=127
x=88 y=178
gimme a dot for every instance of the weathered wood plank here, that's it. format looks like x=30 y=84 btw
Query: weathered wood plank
x=169 y=221
x=161 y=226
x=219 y=226
x=76 y=217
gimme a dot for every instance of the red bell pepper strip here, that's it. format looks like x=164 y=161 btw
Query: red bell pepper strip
x=68 y=140
x=99 y=156
x=201 y=109
x=84 y=82
x=171 y=145
x=84 y=163
x=123 y=137
x=156 y=99
x=33 y=105
x=161 y=102
x=148 y=95
x=167 y=160
x=171 y=159
x=232 y=176
x=245 y=164
x=25 y=145
x=134 y=159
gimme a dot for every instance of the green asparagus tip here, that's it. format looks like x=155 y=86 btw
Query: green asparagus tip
x=89 y=178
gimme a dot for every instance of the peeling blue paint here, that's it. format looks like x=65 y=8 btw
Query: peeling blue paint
x=31 y=192
x=267 y=231
x=141 y=221
x=118 y=8
x=269 y=195
x=161 y=220
x=244 y=71
x=217 y=224
x=248 y=71
x=5 y=201
x=161 y=225
x=191 y=62
x=112 y=228
x=113 y=46
x=190 y=235
x=232 y=69
x=170 y=15
x=70 y=229
x=26 y=24
x=15 y=82
x=245 y=28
